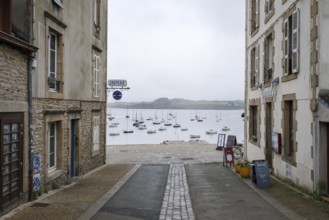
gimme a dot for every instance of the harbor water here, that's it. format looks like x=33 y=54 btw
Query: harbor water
x=210 y=119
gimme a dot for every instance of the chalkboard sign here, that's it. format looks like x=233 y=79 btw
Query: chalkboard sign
x=231 y=141
x=262 y=174
x=221 y=142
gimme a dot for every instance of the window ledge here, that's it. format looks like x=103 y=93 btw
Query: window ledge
x=54 y=175
x=289 y=77
x=17 y=42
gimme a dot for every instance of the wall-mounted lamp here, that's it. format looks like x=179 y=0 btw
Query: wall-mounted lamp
x=275 y=81
x=259 y=85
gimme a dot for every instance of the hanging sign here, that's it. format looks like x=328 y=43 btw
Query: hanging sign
x=117 y=95
x=117 y=83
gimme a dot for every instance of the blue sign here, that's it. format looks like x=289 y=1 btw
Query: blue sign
x=117 y=95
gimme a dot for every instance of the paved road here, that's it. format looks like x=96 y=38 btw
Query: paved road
x=175 y=185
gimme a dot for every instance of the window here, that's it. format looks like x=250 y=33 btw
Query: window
x=96 y=75
x=59 y=3
x=97 y=14
x=291 y=43
x=54 y=62
x=5 y=16
x=254 y=15
x=268 y=59
x=253 y=122
x=289 y=127
x=96 y=134
x=53 y=83
x=254 y=66
x=52 y=147
x=269 y=4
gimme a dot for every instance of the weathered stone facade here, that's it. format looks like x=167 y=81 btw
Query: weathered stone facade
x=44 y=110
x=14 y=129
x=13 y=74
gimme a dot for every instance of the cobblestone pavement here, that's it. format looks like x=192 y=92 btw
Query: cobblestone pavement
x=177 y=202
x=171 y=152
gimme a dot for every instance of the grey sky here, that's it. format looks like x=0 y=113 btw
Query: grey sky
x=191 y=49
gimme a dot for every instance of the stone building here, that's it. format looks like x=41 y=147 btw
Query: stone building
x=69 y=89
x=286 y=89
x=16 y=54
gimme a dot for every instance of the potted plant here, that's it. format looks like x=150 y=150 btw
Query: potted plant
x=237 y=167
x=244 y=168
x=254 y=138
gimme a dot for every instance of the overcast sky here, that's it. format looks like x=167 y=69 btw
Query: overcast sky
x=192 y=49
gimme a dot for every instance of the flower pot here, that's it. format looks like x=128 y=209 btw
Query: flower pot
x=245 y=172
x=237 y=168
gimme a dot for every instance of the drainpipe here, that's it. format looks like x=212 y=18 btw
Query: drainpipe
x=30 y=62
x=30 y=109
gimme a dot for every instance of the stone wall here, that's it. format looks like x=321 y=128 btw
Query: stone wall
x=45 y=110
x=13 y=74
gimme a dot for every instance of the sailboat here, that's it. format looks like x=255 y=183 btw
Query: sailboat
x=176 y=125
x=128 y=131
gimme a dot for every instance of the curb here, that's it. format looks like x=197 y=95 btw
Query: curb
x=100 y=203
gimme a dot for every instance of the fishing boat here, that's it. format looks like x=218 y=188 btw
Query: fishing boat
x=167 y=124
x=151 y=131
x=193 y=136
x=184 y=129
x=142 y=127
x=156 y=122
x=112 y=125
x=225 y=128
x=211 y=131
x=176 y=125
x=114 y=134
x=162 y=129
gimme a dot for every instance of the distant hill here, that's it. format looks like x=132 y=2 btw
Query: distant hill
x=165 y=103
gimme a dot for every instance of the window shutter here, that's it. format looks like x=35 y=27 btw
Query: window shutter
x=257 y=14
x=257 y=64
x=252 y=68
x=286 y=47
x=250 y=16
x=295 y=41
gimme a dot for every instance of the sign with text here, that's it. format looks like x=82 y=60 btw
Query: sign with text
x=231 y=141
x=117 y=83
x=221 y=141
x=262 y=174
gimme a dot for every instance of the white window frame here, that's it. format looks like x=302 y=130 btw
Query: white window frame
x=54 y=153
x=97 y=73
x=97 y=13
x=291 y=43
x=268 y=6
x=96 y=133
x=55 y=51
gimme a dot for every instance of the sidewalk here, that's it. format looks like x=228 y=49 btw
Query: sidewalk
x=74 y=200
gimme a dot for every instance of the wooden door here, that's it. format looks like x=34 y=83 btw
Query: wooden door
x=11 y=158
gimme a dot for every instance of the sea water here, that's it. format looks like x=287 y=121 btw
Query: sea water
x=211 y=119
